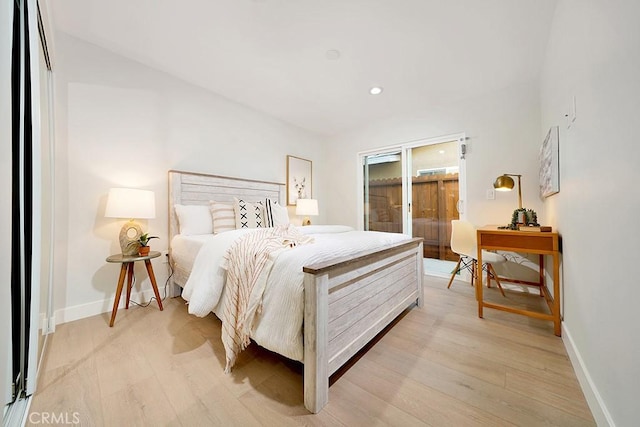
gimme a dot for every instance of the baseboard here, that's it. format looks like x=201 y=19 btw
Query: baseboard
x=81 y=311
x=598 y=409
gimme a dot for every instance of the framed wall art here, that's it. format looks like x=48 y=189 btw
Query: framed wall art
x=550 y=164
x=299 y=179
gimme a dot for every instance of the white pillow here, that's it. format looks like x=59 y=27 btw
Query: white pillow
x=224 y=218
x=194 y=219
x=275 y=213
x=248 y=215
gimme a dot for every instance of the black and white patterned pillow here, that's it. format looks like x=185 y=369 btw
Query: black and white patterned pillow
x=275 y=214
x=248 y=215
x=268 y=212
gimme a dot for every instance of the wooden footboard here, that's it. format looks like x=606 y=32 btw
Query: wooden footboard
x=348 y=301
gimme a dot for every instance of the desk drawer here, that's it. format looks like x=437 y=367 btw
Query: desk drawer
x=539 y=242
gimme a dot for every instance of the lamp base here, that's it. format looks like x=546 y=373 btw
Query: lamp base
x=306 y=221
x=129 y=235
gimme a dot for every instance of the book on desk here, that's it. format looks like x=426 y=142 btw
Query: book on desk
x=537 y=228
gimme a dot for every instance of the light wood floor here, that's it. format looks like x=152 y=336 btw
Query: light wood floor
x=439 y=365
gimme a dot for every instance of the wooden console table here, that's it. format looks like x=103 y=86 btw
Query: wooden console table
x=542 y=243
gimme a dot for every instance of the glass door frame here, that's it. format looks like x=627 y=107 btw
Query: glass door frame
x=363 y=177
x=405 y=151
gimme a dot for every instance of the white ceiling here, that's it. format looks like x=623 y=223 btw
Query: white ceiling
x=271 y=54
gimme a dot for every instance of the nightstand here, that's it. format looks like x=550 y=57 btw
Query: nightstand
x=127 y=262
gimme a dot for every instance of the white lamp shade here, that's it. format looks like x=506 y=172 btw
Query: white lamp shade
x=130 y=203
x=307 y=207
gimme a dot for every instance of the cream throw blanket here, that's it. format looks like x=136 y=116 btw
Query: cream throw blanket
x=248 y=263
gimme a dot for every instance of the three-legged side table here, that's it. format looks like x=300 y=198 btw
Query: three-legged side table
x=127 y=262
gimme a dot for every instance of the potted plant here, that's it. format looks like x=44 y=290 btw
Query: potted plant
x=143 y=241
x=523 y=216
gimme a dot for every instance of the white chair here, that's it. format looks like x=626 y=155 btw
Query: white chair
x=464 y=243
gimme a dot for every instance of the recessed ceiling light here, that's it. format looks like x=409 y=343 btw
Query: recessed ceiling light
x=332 y=54
x=441 y=151
x=376 y=90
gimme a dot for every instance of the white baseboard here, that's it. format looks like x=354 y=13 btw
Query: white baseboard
x=599 y=410
x=77 y=312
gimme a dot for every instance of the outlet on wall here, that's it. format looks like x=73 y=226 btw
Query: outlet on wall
x=165 y=256
x=491 y=194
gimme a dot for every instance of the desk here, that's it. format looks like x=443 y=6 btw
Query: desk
x=542 y=243
x=127 y=262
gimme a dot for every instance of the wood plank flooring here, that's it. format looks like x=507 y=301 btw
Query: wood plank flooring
x=436 y=366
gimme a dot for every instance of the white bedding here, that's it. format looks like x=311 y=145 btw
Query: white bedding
x=184 y=249
x=279 y=326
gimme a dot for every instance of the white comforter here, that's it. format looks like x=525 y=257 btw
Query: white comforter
x=279 y=326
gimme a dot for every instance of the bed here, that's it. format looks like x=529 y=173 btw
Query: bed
x=340 y=316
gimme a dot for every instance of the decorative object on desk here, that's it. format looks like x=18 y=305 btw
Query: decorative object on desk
x=131 y=204
x=535 y=228
x=550 y=164
x=523 y=217
x=520 y=216
x=143 y=244
x=505 y=183
x=306 y=208
x=298 y=179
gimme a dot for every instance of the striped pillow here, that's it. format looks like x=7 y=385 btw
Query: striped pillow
x=275 y=214
x=224 y=218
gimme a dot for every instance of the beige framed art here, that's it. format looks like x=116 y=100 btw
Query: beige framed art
x=550 y=164
x=299 y=179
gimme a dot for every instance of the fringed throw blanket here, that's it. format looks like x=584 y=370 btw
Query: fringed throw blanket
x=248 y=263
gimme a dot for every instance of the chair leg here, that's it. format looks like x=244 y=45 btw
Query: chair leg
x=492 y=272
x=455 y=271
x=473 y=270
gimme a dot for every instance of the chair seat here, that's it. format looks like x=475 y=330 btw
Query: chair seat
x=492 y=258
x=463 y=242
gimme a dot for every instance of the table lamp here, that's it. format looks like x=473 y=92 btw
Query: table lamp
x=306 y=207
x=505 y=183
x=131 y=204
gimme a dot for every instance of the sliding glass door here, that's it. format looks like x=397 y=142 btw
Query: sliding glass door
x=6 y=131
x=382 y=191
x=43 y=192
x=26 y=124
x=434 y=196
x=416 y=188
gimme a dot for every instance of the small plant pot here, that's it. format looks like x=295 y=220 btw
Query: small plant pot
x=144 y=250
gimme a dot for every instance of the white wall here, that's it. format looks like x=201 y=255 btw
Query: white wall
x=503 y=131
x=594 y=55
x=120 y=123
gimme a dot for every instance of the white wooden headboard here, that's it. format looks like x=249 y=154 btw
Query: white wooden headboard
x=189 y=188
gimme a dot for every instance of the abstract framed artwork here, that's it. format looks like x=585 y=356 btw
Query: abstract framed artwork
x=299 y=184
x=550 y=164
